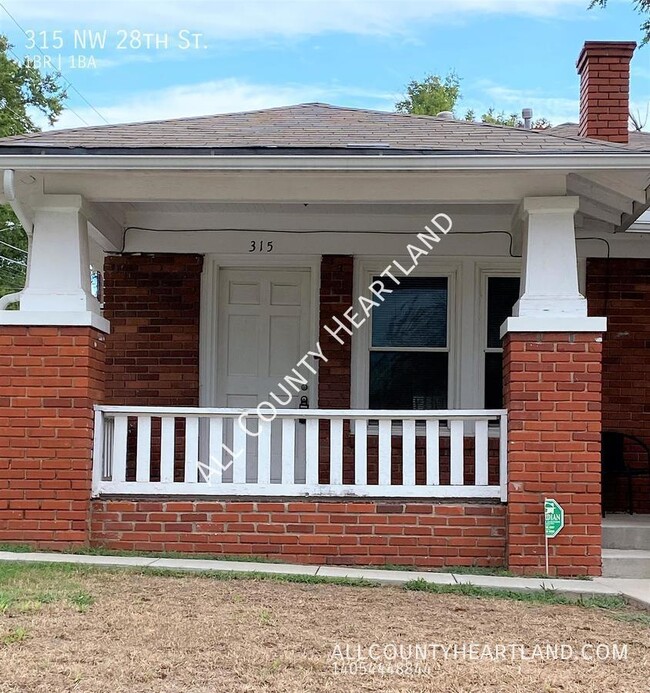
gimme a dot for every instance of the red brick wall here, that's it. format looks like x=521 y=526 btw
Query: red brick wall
x=152 y=353
x=336 y=284
x=552 y=392
x=604 y=69
x=349 y=532
x=620 y=290
x=50 y=378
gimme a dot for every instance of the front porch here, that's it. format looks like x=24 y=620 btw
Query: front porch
x=228 y=393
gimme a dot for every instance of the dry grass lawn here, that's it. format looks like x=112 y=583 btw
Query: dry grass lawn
x=65 y=629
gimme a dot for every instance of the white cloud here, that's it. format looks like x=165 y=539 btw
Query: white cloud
x=255 y=19
x=557 y=109
x=222 y=96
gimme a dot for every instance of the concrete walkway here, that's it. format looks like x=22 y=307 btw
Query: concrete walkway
x=636 y=591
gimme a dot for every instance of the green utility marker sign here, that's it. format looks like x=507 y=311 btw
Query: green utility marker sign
x=553 y=518
x=553 y=522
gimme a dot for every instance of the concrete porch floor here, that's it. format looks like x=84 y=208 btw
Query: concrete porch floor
x=626 y=546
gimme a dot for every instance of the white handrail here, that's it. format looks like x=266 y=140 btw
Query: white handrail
x=417 y=414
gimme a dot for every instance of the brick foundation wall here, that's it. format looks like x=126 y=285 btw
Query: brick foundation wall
x=619 y=288
x=50 y=378
x=152 y=353
x=333 y=532
x=552 y=392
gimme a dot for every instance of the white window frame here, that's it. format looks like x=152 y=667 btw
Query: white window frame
x=484 y=271
x=466 y=323
x=364 y=271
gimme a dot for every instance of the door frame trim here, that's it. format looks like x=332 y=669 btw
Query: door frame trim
x=208 y=325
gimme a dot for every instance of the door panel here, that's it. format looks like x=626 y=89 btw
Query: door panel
x=263 y=331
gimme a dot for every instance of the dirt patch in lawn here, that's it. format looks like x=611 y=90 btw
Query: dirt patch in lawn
x=122 y=632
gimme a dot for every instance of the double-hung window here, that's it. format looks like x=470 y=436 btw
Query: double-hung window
x=502 y=294
x=409 y=346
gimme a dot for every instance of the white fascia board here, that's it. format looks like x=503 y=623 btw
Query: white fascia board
x=450 y=162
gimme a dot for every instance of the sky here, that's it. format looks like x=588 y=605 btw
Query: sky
x=134 y=60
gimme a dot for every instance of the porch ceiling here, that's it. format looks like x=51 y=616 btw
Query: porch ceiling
x=336 y=201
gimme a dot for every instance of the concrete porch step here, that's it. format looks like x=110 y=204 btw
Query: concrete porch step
x=622 y=563
x=631 y=532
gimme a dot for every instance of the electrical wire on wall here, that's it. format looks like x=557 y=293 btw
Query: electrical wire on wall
x=285 y=231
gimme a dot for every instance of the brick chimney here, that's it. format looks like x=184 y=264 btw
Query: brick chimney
x=604 y=69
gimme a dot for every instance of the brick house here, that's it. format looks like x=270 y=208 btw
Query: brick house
x=327 y=334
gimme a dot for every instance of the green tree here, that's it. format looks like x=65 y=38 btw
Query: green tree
x=642 y=7
x=24 y=92
x=435 y=94
x=431 y=96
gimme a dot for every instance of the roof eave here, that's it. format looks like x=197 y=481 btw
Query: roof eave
x=345 y=162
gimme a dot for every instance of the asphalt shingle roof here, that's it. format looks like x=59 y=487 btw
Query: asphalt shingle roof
x=312 y=126
x=639 y=141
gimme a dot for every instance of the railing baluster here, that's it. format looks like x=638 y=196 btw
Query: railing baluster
x=107 y=467
x=167 y=441
x=120 y=432
x=385 y=452
x=456 y=452
x=360 y=452
x=191 y=449
x=336 y=451
x=481 y=453
x=311 y=452
x=99 y=450
x=503 y=456
x=432 y=429
x=239 y=445
x=264 y=452
x=408 y=452
x=143 y=450
x=288 y=451
x=214 y=471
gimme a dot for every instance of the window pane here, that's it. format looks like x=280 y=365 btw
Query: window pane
x=414 y=315
x=494 y=380
x=503 y=293
x=408 y=380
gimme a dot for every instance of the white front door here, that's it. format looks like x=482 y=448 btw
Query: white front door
x=263 y=331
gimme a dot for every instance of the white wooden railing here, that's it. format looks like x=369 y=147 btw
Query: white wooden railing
x=189 y=451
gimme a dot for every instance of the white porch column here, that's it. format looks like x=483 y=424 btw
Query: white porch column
x=58 y=290
x=550 y=300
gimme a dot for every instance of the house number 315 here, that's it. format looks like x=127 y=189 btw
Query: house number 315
x=261 y=247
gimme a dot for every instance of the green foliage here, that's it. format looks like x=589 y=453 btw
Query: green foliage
x=641 y=6
x=435 y=94
x=13 y=255
x=23 y=90
x=14 y=636
x=431 y=96
x=544 y=596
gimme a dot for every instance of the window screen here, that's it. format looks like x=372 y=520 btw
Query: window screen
x=409 y=363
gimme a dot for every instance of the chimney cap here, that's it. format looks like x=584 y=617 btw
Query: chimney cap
x=605 y=49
